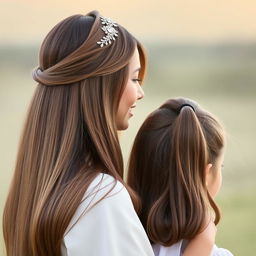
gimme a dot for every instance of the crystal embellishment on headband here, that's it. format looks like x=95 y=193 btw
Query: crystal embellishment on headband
x=110 y=31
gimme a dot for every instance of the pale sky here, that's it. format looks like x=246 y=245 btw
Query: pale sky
x=28 y=21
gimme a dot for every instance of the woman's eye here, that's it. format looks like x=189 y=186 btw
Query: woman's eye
x=136 y=80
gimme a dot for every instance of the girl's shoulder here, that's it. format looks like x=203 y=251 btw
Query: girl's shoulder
x=174 y=250
x=221 y=252
x=177 y=250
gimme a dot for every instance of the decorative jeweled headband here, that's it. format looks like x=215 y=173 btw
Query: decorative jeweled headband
x=110 y=31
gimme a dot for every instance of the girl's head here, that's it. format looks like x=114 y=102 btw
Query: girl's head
x=88 y=78
x=175 y=167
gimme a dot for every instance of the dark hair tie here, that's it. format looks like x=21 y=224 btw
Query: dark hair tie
x=185 y=105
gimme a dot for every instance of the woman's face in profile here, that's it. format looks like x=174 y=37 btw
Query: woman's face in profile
x=131 y=94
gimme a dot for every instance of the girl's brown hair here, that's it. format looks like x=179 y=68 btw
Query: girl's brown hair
x=70 y=133
x=167 y=170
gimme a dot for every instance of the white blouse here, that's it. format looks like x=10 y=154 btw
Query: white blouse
x=108 y=228
x=177 y=250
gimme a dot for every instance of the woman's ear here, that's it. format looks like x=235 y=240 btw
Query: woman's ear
x=207 y=173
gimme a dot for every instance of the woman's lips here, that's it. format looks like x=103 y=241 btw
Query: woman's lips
x=131 y=109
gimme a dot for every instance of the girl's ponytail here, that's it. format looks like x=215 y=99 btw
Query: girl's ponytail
x=189 y=159
x=167 y=169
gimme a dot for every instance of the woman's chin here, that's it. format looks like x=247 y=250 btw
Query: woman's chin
x=123 y=126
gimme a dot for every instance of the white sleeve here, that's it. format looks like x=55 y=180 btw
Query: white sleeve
x=109 y=228
x=220 y=252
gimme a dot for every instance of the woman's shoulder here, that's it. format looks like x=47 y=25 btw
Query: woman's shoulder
x=104 y=192
x=104 y=186
x=106 y=223
x=103 y=183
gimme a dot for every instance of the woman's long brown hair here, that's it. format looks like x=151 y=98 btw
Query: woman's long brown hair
x=70 y=133
x=167 y=170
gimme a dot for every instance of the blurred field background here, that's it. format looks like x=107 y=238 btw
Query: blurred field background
x=204 y=51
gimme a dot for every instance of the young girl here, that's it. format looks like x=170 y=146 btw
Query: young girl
x=67 y=196
x=175 y=167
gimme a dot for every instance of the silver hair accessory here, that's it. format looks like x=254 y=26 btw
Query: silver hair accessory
x=110 y=31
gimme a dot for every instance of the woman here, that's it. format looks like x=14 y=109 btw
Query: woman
x=67 y=196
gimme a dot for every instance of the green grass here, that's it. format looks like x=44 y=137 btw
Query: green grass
x=237 y=229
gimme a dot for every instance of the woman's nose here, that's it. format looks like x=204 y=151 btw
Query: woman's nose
x=140 y=93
